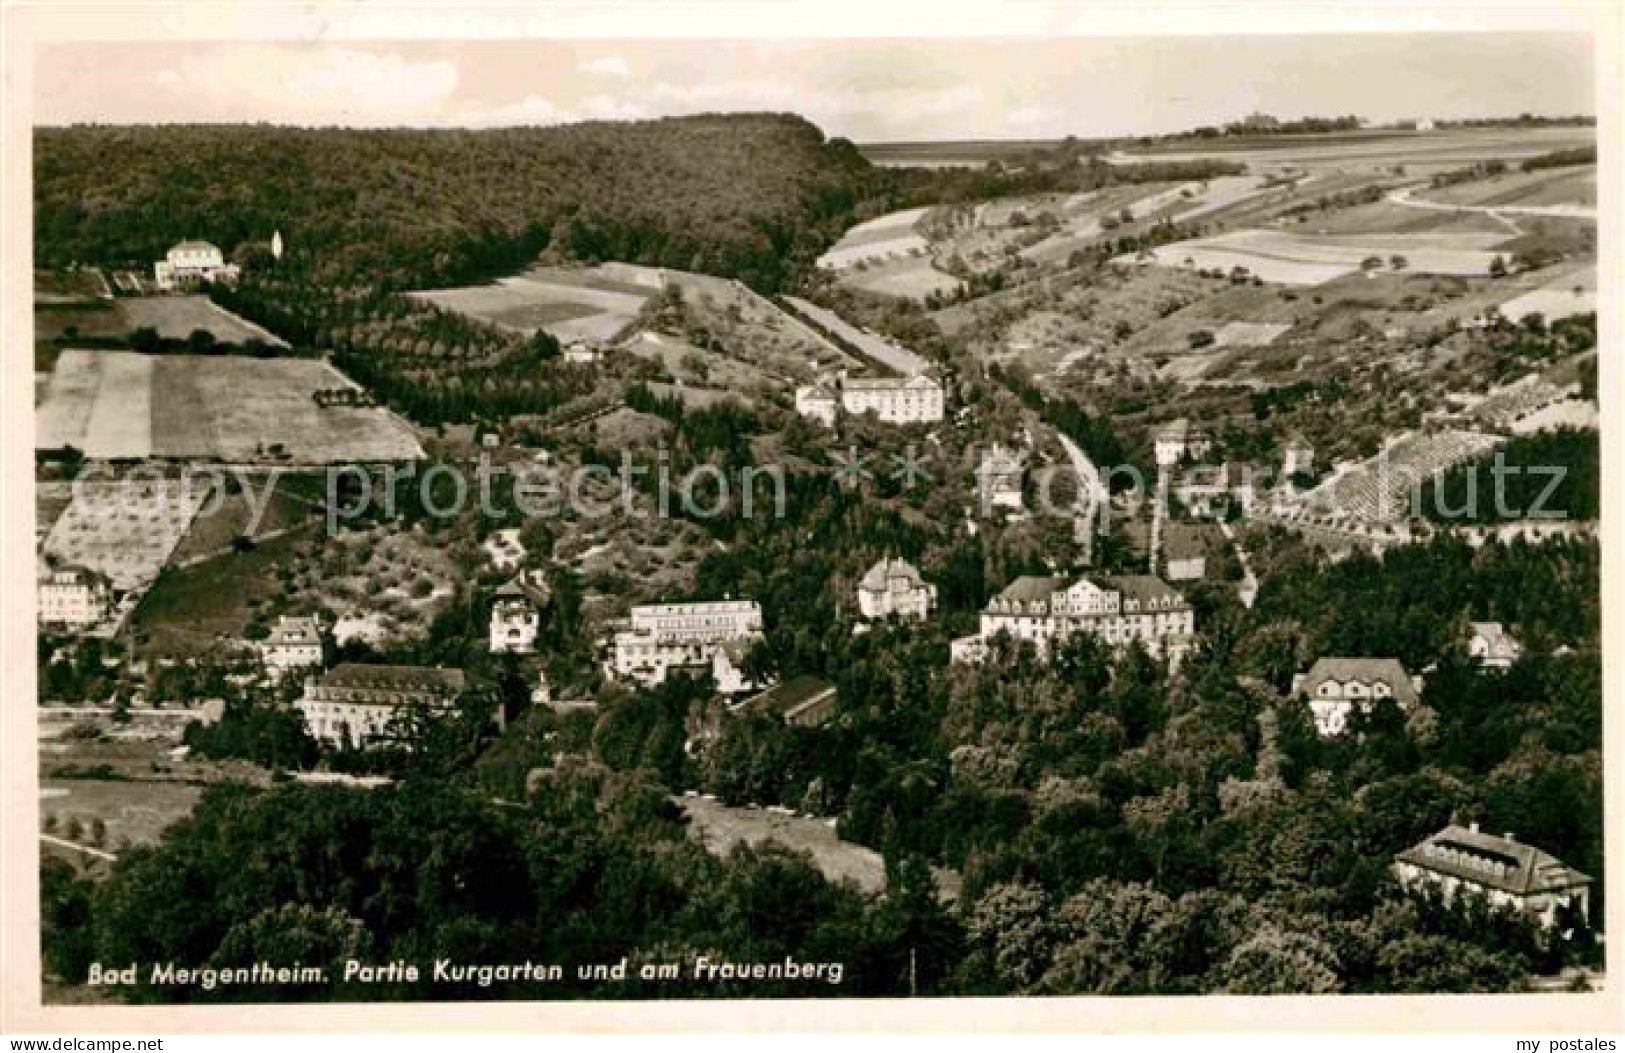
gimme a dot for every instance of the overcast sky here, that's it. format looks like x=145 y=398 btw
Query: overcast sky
x=867 y=90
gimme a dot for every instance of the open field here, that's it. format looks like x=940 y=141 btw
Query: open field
x=695 y=367
x=77 y=286
x=911 y=278
x=131 y=813
x=1568 y=291
x=1417 y=151
x=174 y=318
x=122 y=405
x=596 y=304
x=288 y=502
x=1541 y=188
x=889 y=256
x=879 y=238
x=1083 y=216
x=1291 y=258
x=1248 y=334
x=1218 y=194
x=719 y=827
x=754 y=329
x=968 y=153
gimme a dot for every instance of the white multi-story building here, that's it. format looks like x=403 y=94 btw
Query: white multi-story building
x=1118 y=609
x=817 y=402
x=665 y=636
x=1176 y=440
x=894 y=588
x=1492 y=645
x=917 y=399
x=295 y=643
x=1297 y=456
x=193 y=261
x=1336 y=687
x=1503 y=870
x=998 y=479
x=360 y=705
x=516 y=614
x=73 y=597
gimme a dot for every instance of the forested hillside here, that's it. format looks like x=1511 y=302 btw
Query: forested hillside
x=749 y=196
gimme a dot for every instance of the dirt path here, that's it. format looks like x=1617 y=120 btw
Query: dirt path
x=1403 y=197
x=76 y=847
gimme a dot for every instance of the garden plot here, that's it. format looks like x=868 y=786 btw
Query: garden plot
x=1382 y=487
x=1289 y=258
x=118 y=405
x=124 y=529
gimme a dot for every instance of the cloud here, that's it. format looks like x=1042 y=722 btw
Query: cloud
x=341 y=85
x=537 y=109
x=608 y=66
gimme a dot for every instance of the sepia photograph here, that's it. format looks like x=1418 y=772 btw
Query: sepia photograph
x=626 y=518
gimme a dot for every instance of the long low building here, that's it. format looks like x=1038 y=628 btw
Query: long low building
x=1117 y=609
x=917 y=399
x=359 y=705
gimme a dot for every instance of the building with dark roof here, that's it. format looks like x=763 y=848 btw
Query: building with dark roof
x=804 y=701
x=294 y=643
x=357 y=704
x=1118 y=609
x=894 y=588
x=1492 y=645
x=1503 y=870
x=1336 y=687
